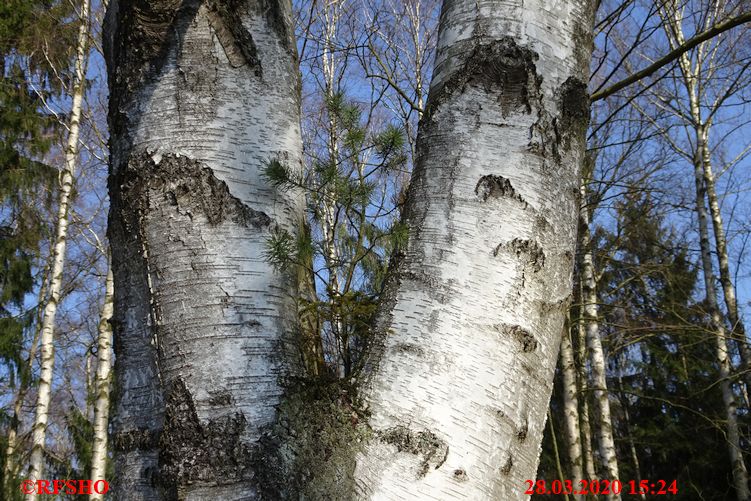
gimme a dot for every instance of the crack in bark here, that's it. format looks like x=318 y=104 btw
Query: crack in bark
x=507 y=465
x=525 y=338
x=529 y=248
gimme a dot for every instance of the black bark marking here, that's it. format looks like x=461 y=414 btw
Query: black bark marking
x=526 y=339
x=192 y=451
x=138 y=439
x=500 y=64
x=532 y=251
x=523 y=430
x=492 y=186
x=235 y=39
x=507 y=465
x=422 y=443
x=573 y=106
x=190 y=186
x=221 y=399
x=413 y=348
x=460 y=475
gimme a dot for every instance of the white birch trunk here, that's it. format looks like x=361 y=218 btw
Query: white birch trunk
x=102 y=387
x=39 y=431
x=459 y=384
x=571 y=410
x=738 y=329
x=672 y=17
x=589 y=459
x=596 y=353
x=203 y=95
x=327 y=202
x=740 y=474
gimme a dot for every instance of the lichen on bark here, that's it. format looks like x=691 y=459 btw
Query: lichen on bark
x=309 y=452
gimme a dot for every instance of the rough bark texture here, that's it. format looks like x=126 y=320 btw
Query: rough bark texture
x=47 y=347
x=468 y=335
x=203 y=94
x=102 y=388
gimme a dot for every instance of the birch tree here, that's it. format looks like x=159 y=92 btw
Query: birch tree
x=571 y=415
x=204 y=95
x=594 y=345
x=484 y=215
x=102 y=387
x=58 y=252
x=476 y=224
x=690 y=73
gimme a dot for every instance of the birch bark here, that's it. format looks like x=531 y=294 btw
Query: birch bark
x=738 y=329
x=589 y=459
x=571 y=410
x=47 y=348
x=460 y=380
x=689 y=73
x=740 y=473
x=102 y=388
x=594 y=343
x=203 y=95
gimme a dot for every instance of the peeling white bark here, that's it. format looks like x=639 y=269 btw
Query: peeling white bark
x=460 y=383
x=67 y=173
x=102 y=387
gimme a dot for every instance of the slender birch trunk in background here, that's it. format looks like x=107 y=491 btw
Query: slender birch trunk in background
x=740 y=473
x=589 y=459
x=204 y=96
x=326 y=202
x=594 y=343
x=468 y=335
x=39 y=432
x=102 y=387
x=571 y=410
x=672 y=19
x=10 y=466
x=738 y=329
